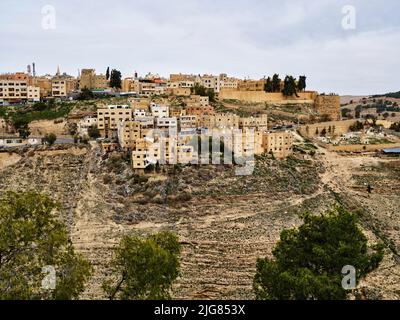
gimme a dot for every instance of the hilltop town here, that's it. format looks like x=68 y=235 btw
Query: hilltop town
x=173 y=110
x=225 y=163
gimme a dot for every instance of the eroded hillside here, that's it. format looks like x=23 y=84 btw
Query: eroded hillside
x=224 y=221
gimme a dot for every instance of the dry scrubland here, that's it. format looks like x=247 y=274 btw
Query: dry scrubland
x=224 y=222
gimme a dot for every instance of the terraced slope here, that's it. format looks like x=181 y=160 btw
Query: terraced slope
x=224 y=222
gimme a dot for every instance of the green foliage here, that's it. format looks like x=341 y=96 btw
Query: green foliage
x=94 y=132
x=40 y=106
x=276 y=83
x=86 y=94
x=115 y=79
x=204 y=92
x=30 y=239
x=3 y=112
x=289 y=87
x=268 y=85
x=345 y=112
x=144 y=268
x=49 y=139
x=301 y=85
x=357 y=111
x=395 y=127
x=308 y=260
x=389 y=95
x=51 y=112
x=108 y=73
x=358 y=126
x=22 y=127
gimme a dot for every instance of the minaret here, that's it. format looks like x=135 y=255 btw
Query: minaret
x=58 y=71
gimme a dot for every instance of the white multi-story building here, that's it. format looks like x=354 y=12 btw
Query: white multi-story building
x=85 y=123
x=209 y=82
x=33 y=94
x=159 y=111
x=139 y=113
x=166 y=123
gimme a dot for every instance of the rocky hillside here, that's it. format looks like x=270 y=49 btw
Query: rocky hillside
x=224 y=221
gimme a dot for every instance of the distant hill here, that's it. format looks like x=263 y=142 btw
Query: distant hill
x=395 y=95
x=348 y=99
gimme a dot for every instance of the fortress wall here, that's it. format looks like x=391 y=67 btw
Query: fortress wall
x=338 y=127
x=261 y=96
x=328 y=105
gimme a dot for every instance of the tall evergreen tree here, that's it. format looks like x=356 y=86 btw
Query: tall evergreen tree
x=301 y=85
x=115 y=79
x=308 y=260
x=37 y=258
x=144 y=268
x=289 y=88
x=108 y=73
x=276 y=83
x=268 y=85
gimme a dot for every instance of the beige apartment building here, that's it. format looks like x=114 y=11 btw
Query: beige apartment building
x=226 y=121
x=149 y=148
x=218 y=121
x=132 y=130
x=62 y=86
x=130 y=85
x=279 y=143
x=209 y=82
x=33 y=94
x=245 y=143
x=200 y=110
x=44 y=83
x=227 y=83
x=187 y=121
x=177 y=111
x=17 y=91
x=151 y=88
x=180 y=84
x=196 y=100
x=109 y=118
x=261 y=122
x=162 y=150
x=183 y=92
x=90 y=80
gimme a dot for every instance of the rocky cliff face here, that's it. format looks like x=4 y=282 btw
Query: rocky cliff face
x=224 y=222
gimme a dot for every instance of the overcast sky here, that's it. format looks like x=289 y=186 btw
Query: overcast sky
x=243 y=38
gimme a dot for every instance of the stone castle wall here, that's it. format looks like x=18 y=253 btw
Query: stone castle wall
x=328 y=105
x=262 y=96
x=337 y=127
x=323 y=104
